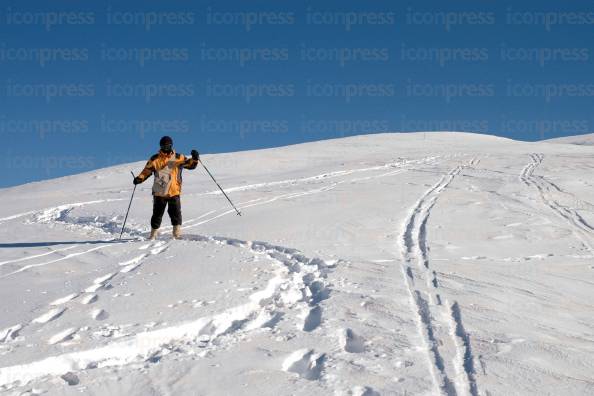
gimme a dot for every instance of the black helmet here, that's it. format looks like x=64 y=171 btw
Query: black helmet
x=166 y=144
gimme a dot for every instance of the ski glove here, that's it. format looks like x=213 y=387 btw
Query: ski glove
x=195 y=155
x=137 y=180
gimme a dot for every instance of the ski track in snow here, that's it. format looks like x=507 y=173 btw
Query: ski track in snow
x=48 y=213
x=301 y=284
x=439 y=321
x=27 y=267
x=299 y=194
x=324 y=176
x=61 y=213
x=309 y=306
x=87 y=296
x=549 y=193
x=398 y=166
x=53 y=251
x=104 y=282
x=300 y=288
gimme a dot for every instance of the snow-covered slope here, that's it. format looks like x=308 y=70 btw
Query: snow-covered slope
x=390 y=264
x=583 y=140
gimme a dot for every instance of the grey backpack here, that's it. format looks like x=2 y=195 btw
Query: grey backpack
x=163 y=179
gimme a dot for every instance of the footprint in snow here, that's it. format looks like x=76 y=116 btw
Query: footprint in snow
x=89 y=299
x=101 y=280
x=264 y=319
x=49 y=316
x=99 y=314
x=101 y=283
x=312 y=319
x=96 y=287
x=132 y=264
x=305 y=363
x=10 y=333
x=364 y=391
x=129 y=268
x=158 y=249
x=64 y=300
x=351 y=342
x=62 y=336
x=70 y=378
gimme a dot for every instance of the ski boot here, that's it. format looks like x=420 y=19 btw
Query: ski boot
x=177 y=232
x=154 y=234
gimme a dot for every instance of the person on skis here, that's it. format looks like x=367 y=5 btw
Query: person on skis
x=167 y=166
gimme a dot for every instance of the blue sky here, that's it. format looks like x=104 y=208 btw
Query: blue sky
x=83 y=86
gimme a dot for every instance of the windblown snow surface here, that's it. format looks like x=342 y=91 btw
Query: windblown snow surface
x=392 y=264
x=584 y=140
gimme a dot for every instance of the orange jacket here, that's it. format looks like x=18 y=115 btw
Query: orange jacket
x=167 y=169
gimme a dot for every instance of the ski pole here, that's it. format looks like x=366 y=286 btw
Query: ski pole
x=128 y=211
x=218 y=185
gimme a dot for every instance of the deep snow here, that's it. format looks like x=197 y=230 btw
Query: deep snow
x=392 y=264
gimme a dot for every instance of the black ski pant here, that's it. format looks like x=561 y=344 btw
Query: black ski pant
x=173 y=209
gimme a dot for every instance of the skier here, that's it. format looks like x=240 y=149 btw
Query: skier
x=167 y=166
